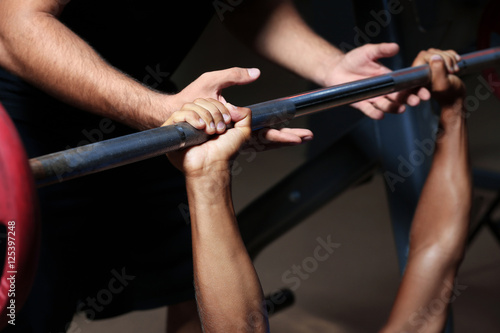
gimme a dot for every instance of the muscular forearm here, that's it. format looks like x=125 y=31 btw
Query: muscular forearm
x=229 y=294
x=38 y=48
x=442 y=213
x=277 y=31
x=439 y=233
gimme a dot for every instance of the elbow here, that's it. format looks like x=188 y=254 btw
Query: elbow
x=13 y=28
x=12 y=49
x=7 y=25
x=21 y=24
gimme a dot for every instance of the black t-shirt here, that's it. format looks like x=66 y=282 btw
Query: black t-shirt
x=139 y=36
x=143 y=38
x=146 y=39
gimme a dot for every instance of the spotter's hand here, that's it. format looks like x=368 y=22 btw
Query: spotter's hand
x=362 y=63
x=211 y=84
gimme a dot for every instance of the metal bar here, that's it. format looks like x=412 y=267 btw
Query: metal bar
x=107 y=154
x=103 y=155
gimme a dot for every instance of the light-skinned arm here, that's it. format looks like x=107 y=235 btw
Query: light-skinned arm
x=37 y=47
x=275 y=29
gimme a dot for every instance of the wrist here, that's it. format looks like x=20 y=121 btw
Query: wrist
x=156 y=109
x=325 y=71
x=452 y=114
x=208 y=188
x=209 y=175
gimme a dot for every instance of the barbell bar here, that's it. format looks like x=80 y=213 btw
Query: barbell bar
x=99 y=156
x=18 y=203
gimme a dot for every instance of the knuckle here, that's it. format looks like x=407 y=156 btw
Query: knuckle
x=202 y=111
x=205 y=76
x=191 y=113
x=187 y=106
x=212 y=100
x=237 y=73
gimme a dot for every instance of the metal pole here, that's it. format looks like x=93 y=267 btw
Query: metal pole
x=131 y=148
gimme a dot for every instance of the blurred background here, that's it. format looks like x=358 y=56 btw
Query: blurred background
x=352 y=290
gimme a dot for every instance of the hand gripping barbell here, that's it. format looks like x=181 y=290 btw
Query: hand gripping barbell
x=18 y=207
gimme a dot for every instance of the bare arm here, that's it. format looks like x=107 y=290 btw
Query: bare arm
x=275 y=29
x=37 y=47
x=440 y=226
x=228 y=290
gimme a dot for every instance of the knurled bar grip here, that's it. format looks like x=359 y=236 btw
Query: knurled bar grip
x=134 y=147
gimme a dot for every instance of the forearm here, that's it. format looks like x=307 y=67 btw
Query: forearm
x=37 y=47
x=442 y=214
x=229 y=294
x=438 y=235
x=276 y=30
x=423 y=296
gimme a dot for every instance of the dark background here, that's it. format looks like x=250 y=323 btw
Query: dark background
x=353 y=290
